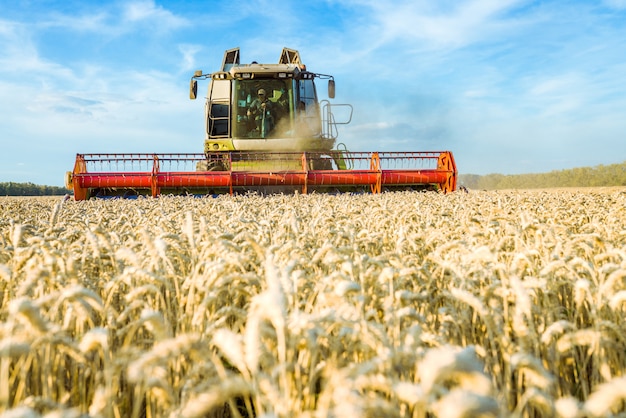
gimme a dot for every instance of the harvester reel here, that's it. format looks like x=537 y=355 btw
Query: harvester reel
x=227 y=172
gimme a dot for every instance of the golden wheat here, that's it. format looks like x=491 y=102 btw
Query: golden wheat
x=402 y=304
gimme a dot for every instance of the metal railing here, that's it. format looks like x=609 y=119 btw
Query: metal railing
x=329 y=123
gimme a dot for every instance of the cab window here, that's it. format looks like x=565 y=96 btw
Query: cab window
x=279 y=102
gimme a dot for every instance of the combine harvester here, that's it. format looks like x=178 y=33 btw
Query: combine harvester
x=266 y=131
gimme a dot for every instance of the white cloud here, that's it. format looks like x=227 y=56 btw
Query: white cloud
x=558 y=95
x=451 y=24
x=93 y=22
x=616 y=4
x=189 y=52
x=20 y=58
x=148 y=11
x=110 y=21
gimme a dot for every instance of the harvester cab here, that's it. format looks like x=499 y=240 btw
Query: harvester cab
x=267 y=131
x=267 y=107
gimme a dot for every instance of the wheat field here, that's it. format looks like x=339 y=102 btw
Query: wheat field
x=480 y=304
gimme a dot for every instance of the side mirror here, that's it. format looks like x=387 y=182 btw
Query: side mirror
x=331 y=88
x=193 y=89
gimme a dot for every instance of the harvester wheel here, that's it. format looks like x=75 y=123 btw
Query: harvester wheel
x=215 y=166
x=209 y=165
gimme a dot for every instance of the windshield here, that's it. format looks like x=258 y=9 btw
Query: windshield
x=263 y=108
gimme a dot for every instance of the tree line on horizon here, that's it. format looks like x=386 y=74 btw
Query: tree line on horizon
x=30 y=189
x=598 y=176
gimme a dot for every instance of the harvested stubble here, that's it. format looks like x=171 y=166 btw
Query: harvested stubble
x=400 y=304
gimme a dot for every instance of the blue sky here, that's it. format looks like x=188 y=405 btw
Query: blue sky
x=509 y=86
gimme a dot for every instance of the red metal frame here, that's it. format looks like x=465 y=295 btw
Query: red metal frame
x=375 y=166
x=153 y=178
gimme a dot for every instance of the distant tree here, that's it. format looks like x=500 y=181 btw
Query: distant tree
x=30 y=189
x=599 y=176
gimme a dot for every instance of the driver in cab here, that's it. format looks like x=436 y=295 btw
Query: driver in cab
x=261 y=110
